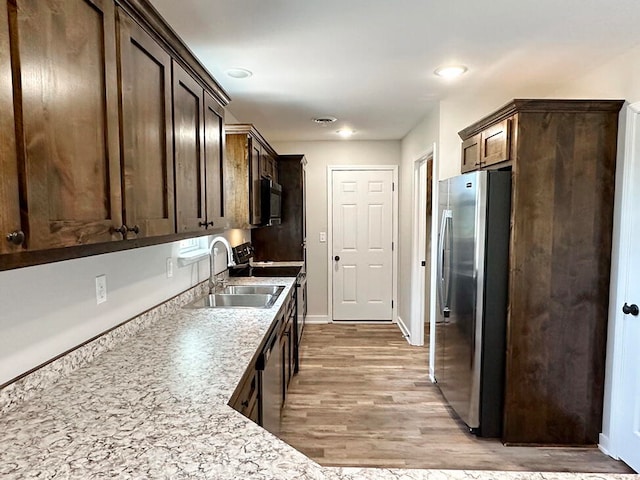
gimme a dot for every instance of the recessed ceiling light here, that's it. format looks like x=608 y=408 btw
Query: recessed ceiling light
x=324 y=121
x=450 y=71
x=345 y=132
x=239 y=73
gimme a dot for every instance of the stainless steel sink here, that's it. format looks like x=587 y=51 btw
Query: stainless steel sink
x=253 y=289
x=255 y=296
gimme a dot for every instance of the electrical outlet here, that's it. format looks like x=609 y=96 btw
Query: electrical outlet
x=323 y=237
x=101 y=289
x=169 y=267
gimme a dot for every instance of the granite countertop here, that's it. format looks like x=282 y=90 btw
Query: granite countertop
x=155 y=406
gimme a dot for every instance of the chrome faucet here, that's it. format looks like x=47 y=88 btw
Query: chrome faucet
x=213 y=282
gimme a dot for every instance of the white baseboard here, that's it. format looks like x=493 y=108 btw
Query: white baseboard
x=318 y=319
x=605 y=445
x=404 y=330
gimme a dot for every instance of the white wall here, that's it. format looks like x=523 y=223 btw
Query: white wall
x=413 y=146
x=49 y=309
x=320 y=155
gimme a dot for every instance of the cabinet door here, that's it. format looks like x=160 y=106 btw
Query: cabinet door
x=10 y=227
x=470 y=154
x=495 y=144
x=69 y=102
x=255 y=165
x=213 y=148
x=237 y=181
x=146 y=131
x=189 y=152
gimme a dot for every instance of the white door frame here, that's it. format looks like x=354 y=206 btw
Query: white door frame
x=627 y=160
x=394 y=253
x=418 y=251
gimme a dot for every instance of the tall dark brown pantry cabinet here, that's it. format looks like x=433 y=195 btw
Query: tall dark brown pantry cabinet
x=562 y=157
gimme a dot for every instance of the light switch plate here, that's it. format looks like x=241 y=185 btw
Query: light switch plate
x=323 y=237
x=101 y=289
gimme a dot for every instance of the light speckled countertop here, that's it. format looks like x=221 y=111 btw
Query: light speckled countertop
x=155 y=406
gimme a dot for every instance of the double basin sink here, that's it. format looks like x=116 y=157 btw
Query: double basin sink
x=240 y=296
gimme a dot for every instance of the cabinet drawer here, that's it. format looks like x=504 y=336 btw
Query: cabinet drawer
x=494 y=144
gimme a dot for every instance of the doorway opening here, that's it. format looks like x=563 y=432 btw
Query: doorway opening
x=421 y=250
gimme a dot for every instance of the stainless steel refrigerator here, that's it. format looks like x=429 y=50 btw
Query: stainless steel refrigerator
x=473 y=242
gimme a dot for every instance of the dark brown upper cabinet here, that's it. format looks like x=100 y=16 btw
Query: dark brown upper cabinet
x=247 y=161
x=494 y=143
x=470 y=154
x=10 y=226
x=110 y=129
x=198 y=125
x=214 y=157
x=67 y=101
x=490 y=148
x=146 y=131
x=188 y=128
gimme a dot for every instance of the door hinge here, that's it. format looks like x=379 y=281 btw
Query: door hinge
x=392 y=304
x=393 y=186
x=423 y=263
x=392 y=246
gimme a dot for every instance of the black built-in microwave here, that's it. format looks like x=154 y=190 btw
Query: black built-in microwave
x=271 y=202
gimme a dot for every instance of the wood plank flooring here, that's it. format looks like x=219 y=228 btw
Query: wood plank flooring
x=363 y=398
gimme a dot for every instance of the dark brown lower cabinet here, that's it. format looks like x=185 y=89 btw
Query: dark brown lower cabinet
x=245 y=398
x=262 y=391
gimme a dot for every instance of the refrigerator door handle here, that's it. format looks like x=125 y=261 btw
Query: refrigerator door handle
x=443 y=276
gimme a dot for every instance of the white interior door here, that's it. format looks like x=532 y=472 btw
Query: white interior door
x=629 y=444
x=362 y=235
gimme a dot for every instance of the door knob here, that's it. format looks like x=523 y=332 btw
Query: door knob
x=630 y=309
x=336 y=258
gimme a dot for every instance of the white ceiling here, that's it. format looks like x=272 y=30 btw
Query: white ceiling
x=370 y=62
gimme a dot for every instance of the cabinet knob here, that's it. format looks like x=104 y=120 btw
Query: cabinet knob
x=630 y=309
x=205 y=224
x=16 y=238
x=135 y=229
x=122 y=230
x=336 y=258
x=245 y=403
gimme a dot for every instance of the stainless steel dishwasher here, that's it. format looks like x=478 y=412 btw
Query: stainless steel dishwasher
x=270 y=371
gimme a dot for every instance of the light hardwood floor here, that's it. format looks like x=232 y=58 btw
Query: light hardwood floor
x=363 y=398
